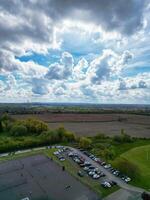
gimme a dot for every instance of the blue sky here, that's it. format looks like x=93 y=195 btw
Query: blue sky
x=78 y=51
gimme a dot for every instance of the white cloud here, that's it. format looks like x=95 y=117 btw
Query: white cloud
x=100 y=42
x=79 y=71
x=107 y=65
x=62 y=70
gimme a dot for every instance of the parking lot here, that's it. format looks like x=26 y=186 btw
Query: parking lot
x=38 y=177
x=96 y=169
x=93 y=167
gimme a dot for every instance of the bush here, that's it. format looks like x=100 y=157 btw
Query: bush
x=117 y=138
x=18 y=130
x=1 y=127
x=69 y=137
x=123 y=138
x=101 y=136
x=85 y=142
x=35 y=126
x=61 y=132
x=6 y=122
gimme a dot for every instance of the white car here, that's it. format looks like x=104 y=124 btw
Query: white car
x=106 y=184
x=59 y=147
x=96 y=176
x=86 y=168
x=60 y=150
x=107 y=166
x=62 y=159
x=70 y=154
x=56 y=153
x=127 y=179
x=86 y=163
x=91 y=173
x=95 y=159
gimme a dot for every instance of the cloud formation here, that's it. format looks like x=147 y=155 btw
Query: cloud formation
x=81 y=50
x=62 y=70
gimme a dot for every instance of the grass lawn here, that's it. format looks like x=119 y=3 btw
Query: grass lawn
x=121 y=148
x=140 y=156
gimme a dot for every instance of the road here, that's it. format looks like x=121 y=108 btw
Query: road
x=110 y=176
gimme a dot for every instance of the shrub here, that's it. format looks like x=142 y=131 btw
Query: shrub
x=101 y=136
x=35 y=126
x=85 y=142
x=1 y=127
x=18 y=130
x=61 y=132
x=123 y=138
x=69 y=136
x=6 y=122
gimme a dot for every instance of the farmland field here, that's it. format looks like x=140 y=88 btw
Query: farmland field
x=91 y=124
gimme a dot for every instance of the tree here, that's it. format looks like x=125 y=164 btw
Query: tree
x=61 y=132
x=69 y=136
x=6 y=122
x=85 y=142
x=123 y=138
x=100 y=136
x=35 y=126
x=1 y=127
x=18 y=130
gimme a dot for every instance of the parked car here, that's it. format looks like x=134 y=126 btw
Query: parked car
x=86 y=168
x=82 y=165
x=80 y=173
x=103 y=163
x=91 y=156
x=91 y=173
x=106 y=184
x=92 y=167
x=102 y=174
x=107 y=166
x=70 y=154
x=99 y=161
x=87 y=163
x=128 y=179
x=116 y=173
x=113 y=183
x=56 y=153
x=86 y=153
x=95 y=176
x=62 y=159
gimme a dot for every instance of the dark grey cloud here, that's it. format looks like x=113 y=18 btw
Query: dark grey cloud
x=125 y=16
x=27 y=23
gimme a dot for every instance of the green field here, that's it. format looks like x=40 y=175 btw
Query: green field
x=140 y=156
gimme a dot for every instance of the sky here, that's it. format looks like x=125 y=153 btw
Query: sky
x=88 y=51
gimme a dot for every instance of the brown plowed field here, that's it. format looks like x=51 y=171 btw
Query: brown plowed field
x=91 y=124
